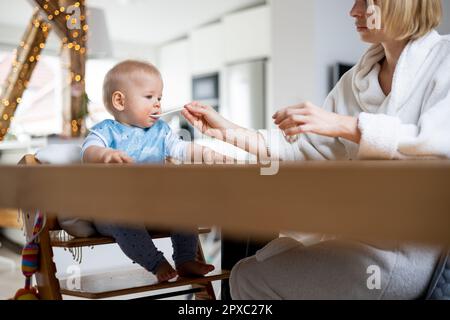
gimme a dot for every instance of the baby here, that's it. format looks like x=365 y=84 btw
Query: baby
x=132 y=93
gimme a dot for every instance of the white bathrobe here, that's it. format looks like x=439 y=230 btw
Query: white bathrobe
x=413 y=122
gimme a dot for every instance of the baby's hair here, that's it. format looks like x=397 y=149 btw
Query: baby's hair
x=120 y=74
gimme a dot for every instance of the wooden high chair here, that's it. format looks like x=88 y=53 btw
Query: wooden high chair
x=109 y=283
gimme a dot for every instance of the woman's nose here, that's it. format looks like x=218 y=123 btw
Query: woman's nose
x=359 y=9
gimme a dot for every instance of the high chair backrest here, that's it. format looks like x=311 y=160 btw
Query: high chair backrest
x=49 y=286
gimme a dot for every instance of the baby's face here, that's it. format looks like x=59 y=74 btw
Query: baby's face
x=143 y=100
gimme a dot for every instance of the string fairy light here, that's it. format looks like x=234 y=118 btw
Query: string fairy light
x=26 y=56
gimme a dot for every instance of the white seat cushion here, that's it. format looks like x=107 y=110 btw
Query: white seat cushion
x=61 y=154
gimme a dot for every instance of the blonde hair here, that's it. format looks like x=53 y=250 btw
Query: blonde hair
x=121 y=74
x=410 y=19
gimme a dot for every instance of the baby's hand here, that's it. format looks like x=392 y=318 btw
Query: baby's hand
x=115 y=156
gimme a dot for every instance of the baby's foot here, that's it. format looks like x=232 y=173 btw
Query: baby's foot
x=194 y=268
x=165 y=272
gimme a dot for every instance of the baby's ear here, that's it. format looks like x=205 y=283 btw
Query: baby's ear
x=118 y=101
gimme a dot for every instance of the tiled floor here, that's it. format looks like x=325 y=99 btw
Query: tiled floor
x=11 y=277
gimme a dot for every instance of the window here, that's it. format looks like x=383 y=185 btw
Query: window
x=40 y=111
x=95 y=74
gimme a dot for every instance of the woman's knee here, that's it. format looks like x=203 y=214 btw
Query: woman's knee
x=241 y=275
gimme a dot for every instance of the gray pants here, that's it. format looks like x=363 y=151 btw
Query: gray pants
x=138 y=245
x=336 y=269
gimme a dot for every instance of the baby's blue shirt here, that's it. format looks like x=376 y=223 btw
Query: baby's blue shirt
x=152 y=145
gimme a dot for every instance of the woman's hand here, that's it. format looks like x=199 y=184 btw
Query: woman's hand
x=308 y=118
x=207 y=120
x=212 y=124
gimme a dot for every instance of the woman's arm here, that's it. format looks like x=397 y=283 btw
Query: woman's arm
x=307 y=118
x=271 y=145
x=387 y=138
x=197 y=154
x=187 y=152
x=212 y=124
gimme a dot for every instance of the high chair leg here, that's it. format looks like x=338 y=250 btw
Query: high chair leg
x=47 y=283
x=208 y=290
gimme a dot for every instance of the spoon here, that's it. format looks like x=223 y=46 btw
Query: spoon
x=167 y=113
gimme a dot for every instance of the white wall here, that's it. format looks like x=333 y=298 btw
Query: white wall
x=445 y=26
x=247 y=34
x=335 y=41
x=175 y=67
x=129 y=50
x=293 y=69
x=10 y=37
x=207 y=49
x=236 y=37
x=308 y=38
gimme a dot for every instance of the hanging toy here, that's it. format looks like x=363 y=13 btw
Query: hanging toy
x=30 y=262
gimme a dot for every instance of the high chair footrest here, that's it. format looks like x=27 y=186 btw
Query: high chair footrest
x=99 y=240
x=129 y=281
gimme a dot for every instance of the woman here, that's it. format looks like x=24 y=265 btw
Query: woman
x=394 y=104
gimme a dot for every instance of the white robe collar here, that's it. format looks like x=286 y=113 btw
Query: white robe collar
x=366 y=87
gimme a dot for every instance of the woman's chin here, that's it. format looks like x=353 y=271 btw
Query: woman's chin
x=366 y=37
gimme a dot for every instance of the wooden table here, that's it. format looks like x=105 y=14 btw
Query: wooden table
x=382 y=200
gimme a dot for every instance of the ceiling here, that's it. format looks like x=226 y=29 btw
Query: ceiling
x=149 y=22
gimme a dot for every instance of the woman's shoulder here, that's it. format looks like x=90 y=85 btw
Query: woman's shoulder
x=345 y=84
x=348 y=76
x=441 y=56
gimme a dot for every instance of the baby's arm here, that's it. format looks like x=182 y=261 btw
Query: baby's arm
x=197 y=154
x=95 y=151
x=105 y=155
x=188 y=152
